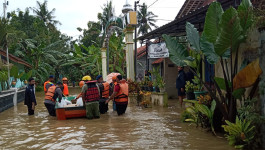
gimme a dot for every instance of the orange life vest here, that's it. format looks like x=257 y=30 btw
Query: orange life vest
x=50 y=93
x=122 y=95
x=65 y=90
x=45 y=90
x=105 y=92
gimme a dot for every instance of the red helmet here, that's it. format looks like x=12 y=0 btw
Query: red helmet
x=65 y=79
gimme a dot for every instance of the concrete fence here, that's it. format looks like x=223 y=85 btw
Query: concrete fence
x=10 y=98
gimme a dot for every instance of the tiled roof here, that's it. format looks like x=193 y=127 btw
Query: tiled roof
x=188 y=6
x=158 y=61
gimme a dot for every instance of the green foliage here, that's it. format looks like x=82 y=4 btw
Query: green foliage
x=189 y=87
x=223 y=33
x=211 y=25
x=158 y=79
x=240 y=134
x=178 y=54
x=207 y=112
x=231 y=32
x=185 y=116
x=197 y=83
x=193 y=36
x=146 y=20
x=221 y=83
x=198 y=111
x=39 y=88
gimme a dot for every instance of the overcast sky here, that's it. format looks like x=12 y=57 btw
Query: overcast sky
x=76 y=13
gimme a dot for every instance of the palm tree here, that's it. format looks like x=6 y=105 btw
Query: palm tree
x=44 y=14
x=105 y=16
x=146 y=20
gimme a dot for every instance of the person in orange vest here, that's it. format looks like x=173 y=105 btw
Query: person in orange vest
x=48 y=83
x=65 y=87
x=104 y=89
x=51 y=95
x=120 y=95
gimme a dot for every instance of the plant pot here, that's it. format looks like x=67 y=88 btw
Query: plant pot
x=162 y=90
x=190 y=95
x=199 y=93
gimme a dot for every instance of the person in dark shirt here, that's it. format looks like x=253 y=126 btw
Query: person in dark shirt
x=180 y=84
x=30 y=99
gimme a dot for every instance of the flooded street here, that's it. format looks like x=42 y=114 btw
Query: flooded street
x=148 y=128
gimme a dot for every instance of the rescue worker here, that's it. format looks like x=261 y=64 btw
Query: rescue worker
x=65 y=87
x=48 y=83
x=104 y=88
x=121 y=92
x=112 y=85
x=30 y=99
x=90 y=96
x=52 y=94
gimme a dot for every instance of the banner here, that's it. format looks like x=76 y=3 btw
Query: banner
x=158 y=51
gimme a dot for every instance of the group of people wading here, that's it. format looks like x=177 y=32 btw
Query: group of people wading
x=95 y=94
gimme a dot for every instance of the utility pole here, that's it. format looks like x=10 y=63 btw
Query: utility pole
x=7 y=55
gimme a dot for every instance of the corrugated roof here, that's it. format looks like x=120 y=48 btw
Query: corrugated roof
x=15 y=59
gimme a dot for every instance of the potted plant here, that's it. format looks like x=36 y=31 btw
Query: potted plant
x=198 y=88
x=189 y=88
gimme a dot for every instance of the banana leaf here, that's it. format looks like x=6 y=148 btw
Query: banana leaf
x=247 y=76
x=178 y=53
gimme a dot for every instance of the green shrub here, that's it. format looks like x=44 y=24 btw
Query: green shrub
x=240 y=134
x=39 y=88
x=185 y=115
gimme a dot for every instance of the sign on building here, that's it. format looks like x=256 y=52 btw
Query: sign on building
x=158 y=51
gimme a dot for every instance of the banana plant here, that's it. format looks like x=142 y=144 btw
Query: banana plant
x=223 y=32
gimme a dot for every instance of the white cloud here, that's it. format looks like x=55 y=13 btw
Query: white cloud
x=76 y=13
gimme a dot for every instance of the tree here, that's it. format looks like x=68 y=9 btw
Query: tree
x=146 y=20
x=104 y=17
x=91 y=35
x=44 y=14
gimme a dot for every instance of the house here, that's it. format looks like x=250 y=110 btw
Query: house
x=193 y=11
x=13 y=60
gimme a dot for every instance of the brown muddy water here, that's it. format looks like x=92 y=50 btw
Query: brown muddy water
x=139 y=128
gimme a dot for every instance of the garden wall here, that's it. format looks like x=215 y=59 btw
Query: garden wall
x=6 y=98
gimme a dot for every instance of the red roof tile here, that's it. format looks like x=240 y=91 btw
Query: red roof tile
x=158 y=61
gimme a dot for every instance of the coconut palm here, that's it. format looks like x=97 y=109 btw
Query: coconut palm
x=44 y=14
x=146 y=20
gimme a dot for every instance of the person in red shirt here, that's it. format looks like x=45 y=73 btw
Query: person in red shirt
x=120 y=94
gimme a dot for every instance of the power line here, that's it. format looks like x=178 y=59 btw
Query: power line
x=152 y=4
x=164 y=20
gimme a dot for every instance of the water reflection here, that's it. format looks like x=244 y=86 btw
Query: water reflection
x=151 y=128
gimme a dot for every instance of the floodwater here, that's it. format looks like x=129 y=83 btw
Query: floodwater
x=139 y=128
